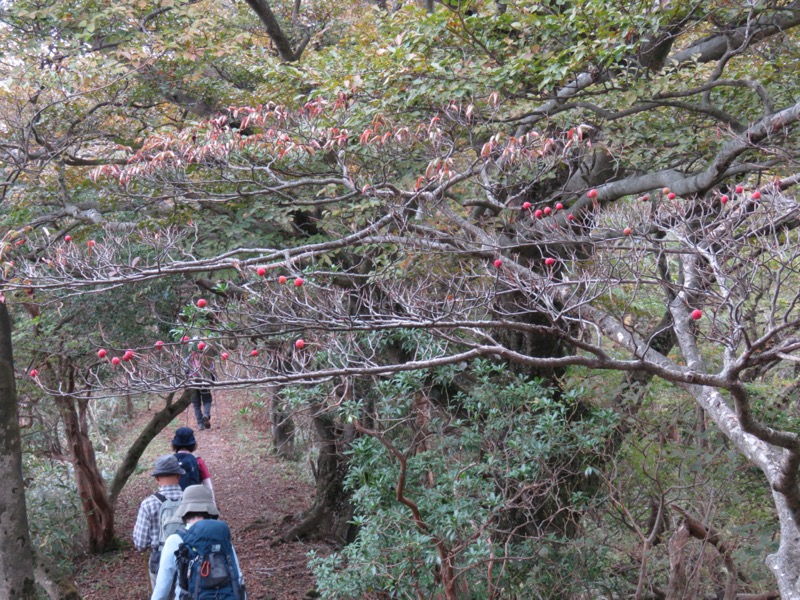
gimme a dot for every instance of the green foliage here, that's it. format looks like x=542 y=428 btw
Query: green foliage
x=498 y=486
x=54 y=511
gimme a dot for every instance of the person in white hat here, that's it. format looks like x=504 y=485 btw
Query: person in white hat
x=197 y=505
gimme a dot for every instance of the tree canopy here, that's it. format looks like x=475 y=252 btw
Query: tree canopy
x=422 y=221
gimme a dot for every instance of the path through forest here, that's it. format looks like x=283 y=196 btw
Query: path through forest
x=256 y=493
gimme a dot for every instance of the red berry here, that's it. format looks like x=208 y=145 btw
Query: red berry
x=756 y=195
x=526 y=205
x=254 y=353
x=697 y=313
x=225 y=356
x=185 y=339
x=559 y=206
x=90 y=243
x=723 y=199
x=300 y=344
x=67 y=238
x=261 y=271
x=538 y=214
x=547 y=210
x=201 y=346
x=645 y=198
x=591 y=194
x=128 y=355
x=115 y=360
x=665 y=191
x=34 y=373
x=298 y=282
x=549 y=261
x=282 y=279
x=101 y=353
x=201 y=303
x=498 y=263
x=627 y=231
x=739 y=189
x=570 y=217
x=159 y=345
x=671 y=196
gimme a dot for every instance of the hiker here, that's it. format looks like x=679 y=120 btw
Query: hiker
x=200 y=557
x=183 y=445
x=156 y=509
x=200 y=365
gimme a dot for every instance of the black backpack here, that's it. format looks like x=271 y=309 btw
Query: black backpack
x=206 y=568
x=188 y=463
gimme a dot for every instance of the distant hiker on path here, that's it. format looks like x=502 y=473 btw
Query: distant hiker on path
x=200 y=366
x=201 y=558
x=183 y=445
x=158 y=508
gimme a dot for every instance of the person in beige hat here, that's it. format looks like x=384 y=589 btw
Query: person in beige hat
x=147 y=531
x=200 y=517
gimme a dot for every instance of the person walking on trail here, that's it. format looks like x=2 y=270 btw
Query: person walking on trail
x=201 y=557
x=200 y=368
x=148 y=528
x=183 y=445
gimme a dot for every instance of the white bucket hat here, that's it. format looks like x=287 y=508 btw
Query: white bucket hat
x=197 y=499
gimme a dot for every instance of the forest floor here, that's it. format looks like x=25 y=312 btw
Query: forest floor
x=258 y=495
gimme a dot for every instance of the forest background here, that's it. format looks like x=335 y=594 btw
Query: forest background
x=517 y=279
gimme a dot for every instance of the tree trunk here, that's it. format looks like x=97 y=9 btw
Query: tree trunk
x=97 y=508
x=283 y=431
x=16 y=553
x=785 y=563
x=53 y=582
x=677 y=564
x=331 y=515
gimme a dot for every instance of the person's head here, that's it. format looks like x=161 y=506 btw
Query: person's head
x=197 y=503
x=167 y=470
x=184 y=439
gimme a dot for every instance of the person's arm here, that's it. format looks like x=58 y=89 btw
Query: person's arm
x=141 y=530
x=238 y=568
x=205 y=476
x=203 y=468
x=167 y=569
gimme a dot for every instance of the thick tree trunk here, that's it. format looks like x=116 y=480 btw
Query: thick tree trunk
x=92 y=491
x=331 y=515
x=16 y=553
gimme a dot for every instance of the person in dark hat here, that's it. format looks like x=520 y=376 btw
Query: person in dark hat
x=196 y=507
x=183 y=445
x=200 y=369
x=147 y=530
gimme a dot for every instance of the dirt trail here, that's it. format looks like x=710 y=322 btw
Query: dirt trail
x=254 y=490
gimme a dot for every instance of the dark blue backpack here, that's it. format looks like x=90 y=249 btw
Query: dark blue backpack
x=206 y=568
x=188 y=463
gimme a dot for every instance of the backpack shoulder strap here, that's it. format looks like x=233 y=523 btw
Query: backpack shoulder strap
x=182 y=561
x=161 y=497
